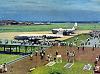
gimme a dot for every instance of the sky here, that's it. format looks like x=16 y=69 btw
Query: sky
x=50 y=10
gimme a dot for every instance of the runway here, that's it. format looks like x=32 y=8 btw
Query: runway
x=11 y=35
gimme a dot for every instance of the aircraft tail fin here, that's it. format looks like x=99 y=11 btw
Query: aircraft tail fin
x=75 y=26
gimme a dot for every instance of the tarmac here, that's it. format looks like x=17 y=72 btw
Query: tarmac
x=11 y=35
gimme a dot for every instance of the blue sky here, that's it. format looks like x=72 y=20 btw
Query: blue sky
x=50 y=9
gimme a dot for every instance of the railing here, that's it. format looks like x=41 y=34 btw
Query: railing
x=18 y=59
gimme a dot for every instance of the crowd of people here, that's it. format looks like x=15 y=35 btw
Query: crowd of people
x=95 y=33
x=46 y=56
x=70 y=56
x=97 y=67
x=27 y=42
x=3 y=68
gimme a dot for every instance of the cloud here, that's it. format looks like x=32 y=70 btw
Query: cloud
x=95 y=0
x=28 y=5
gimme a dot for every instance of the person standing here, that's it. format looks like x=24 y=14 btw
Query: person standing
x=67 y=52
x=42 y=55
x=97 y=58
x=31 y=57
x=83 y=48
x=78 y=48
x=5 y=67
x=93 y=48
x=56 y=53
x=95 y=45
x=36 y=53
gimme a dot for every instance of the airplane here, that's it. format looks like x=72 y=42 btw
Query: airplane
x=37 y=36
x=65 y=31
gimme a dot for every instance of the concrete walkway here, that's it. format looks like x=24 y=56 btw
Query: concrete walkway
x=92 y=42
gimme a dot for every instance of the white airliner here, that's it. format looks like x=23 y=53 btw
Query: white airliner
x=61 y=30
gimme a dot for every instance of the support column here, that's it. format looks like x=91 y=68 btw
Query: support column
x=31 y=48
x=25 y=49
x=16 y=49
x=10 y=48
x=19 y=48
x=4 y=48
